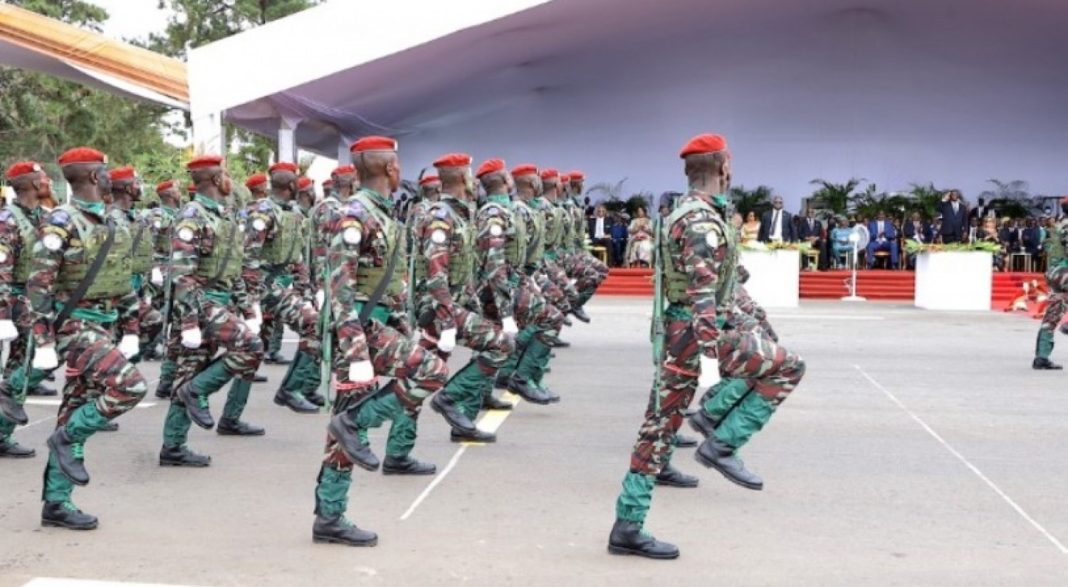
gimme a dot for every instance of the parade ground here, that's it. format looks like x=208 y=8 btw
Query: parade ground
x=920 y=449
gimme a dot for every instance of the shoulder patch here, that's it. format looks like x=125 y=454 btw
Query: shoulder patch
x=441 y=213
x=189 y=212
x=354 y=208
x=264 y=205
x=5 y=215
x=492 y=210
x=59 y=218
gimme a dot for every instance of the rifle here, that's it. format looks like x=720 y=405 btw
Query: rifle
x=326 y=367
x=657 y=327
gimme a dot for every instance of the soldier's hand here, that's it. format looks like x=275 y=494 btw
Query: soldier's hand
x=191 y=338
x=361 y=372
x=320 y=299
x=255 y=323
x=447 y=340
x=709 y=372
x=45 y=358
x=8 y=332
x=156 y=277
x=509 y=326
x=130 y=345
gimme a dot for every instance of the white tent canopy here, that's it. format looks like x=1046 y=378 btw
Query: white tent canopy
x=895 y=91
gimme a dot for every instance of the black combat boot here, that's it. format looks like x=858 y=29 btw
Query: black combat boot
x=490 y=402
x=295 y=402
x=69 y=456
x=9 y=449
x=41 y=390
x=315 y=397
x=65 y=515
x=406 y=466
x=703 y=423
x=629 y=538
x=181 y=456
x=672 y=477
x=163 y=390
x=561 y=344
x=526 y=390
x=476 y=436
x=444 y=405
x=111 y=426
x=683 y=441
x=338 y=530
x=1043 y=364
x=715 y=454
x=259 y=378
x=580 y=314
x=231 y=427
x=276 y=358
x=11 y=409
x=347 y=434
x=196 y=406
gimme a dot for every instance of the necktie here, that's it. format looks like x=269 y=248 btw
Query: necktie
x=775 y=224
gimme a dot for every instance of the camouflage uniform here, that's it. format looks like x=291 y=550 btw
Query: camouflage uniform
x=206 y=260
x=456 y=259
x=700 y=259
x=553 y=280
x=18 y=234
x=1057 y=277
x=588 y=271
x=101 y=383
x=363 y=241
x=278 y=276
x=142 y=245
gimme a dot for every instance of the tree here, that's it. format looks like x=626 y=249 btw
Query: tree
x=757 y=200
x=836 y=197
x=925 y=199
x=1011 y=198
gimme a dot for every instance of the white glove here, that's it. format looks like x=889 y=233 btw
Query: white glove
x=447 y=340
x=361 y=372
x=255 y=323
x=157 y=277
x=509 y=326
x=320 y=299
x=8 y=331
x=191 y=338
x=709 y=372
x=130 y=345
x=44 y=358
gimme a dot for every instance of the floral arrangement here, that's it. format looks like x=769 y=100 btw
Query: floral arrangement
x=776 y=246
x=912 y=247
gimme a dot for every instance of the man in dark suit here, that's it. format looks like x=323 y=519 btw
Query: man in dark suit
x=916 y=229
x=776 y=224
x=600 y=230
x=811 y=231
x=980 y=211
x=954 y=217
x=883 y=238
x=1032 y=238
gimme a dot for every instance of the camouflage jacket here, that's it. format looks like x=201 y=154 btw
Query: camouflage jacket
x=15 y=248
x=438 y=236
x=266 y=223
x=161 y=221
x=325 y=213
x=494 y=223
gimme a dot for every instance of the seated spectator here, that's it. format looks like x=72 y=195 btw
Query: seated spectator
x=840 y=245
x=973 y=231
x=1032 y=238
x=751 y=228
x=600 y=230
x=988 y=233
x=883 y=238
x=640 y=246
x=1006 y=233
x=810 y=231
x=917 y=230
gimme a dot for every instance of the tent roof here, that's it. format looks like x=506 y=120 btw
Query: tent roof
x=31 y=41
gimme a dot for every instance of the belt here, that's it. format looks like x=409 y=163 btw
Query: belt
x=100 y=312
x=221 y=297
x=380 y=313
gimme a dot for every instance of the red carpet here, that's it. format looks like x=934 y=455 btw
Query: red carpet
x=874 y=285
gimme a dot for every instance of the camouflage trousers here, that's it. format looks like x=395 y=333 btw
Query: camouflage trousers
x=1056 y=306
x=15 y=383
x=769 y=369
x=419 y=373
x=151 y=320
x=221 y=329
x=96 y=371
x=560 y=279
x=289 y=308
x=587 y=273
x=552 y=292
x=533 y=309
x=474 y=331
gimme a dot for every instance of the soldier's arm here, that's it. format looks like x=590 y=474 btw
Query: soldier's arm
x=9 y=250
x=435 y=237
x=348 y=240
x=187 y=246
x=259 y=228
x=702 y=240
x=492 y=229
x=53 y=240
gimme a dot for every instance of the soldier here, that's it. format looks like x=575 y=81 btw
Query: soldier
x=1056 y=244
x=125 y=192
x=79 y=290
x=366 y=263
x=554 y=236
x=272 y=332
x=590 y=271
x=328 y=188
x=18 y=233
x=449 y=256
x=698 y=257
x=162 y=222
x=206 y=263
x=429 y=192
x=305 y=194
x=277 y=275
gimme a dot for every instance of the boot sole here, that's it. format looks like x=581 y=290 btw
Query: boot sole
x=55 y=524
x=386 y=471
x=632 y=552
x=7 y=455
x=540 y=402
x=712 y=465
x=369 y=467
x=679 y=485
x=434 y=406
x=284 y=404
x=186 y=465
x=222 y=433
x=473 y=440
x=330 y=540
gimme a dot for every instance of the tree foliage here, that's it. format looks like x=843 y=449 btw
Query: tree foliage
x=757 y=200
x=836 y=197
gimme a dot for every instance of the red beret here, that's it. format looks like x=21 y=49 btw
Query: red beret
x=284 y=166
x=576 y=175
x=706 y=143
x=164 y=186
x=344 y=170
x=490 y=166
x=549 y=173
x=82 y=155
x=122 y=173
x=204 y=161
x=22 y=168
x=525 y=169
x=191 y=188
x=453 y=160
x=327 y=183
x=304 y=182
x=564 y=178
x=255 y=179
x=373 y=144
x=428 y=179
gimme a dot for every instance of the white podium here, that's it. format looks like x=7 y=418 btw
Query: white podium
x=774 y=277
x=954 y=280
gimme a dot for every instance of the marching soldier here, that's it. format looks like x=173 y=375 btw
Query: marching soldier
x=18 y=234
x=698 y=258
x=366 y=267
x=1056 y=245
x=80 y=291
x=206 y=262
x=589 y=270
x=277 y=275
x=272 y=332
x=448 y=253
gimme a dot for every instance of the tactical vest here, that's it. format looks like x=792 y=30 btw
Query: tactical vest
x=143 y=253
x=287 y=245
x=161 y=228
x=367 y=277
x=579 y=229
x=227 y=237
x=536 y=238
x=515 y=250
x=552 y=225
x=113 y=279
x=675 y=281
x=28 y=237
x=461 y=255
